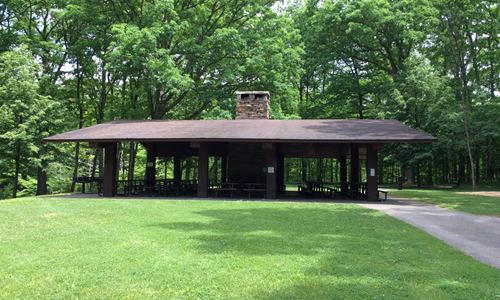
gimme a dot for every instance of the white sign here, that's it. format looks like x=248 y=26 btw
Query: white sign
x=270 y=170
x=372 y=172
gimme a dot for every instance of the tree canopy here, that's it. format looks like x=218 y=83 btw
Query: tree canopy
x=67 y=64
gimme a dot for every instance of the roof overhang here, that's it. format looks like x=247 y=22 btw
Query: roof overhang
x=247 y=130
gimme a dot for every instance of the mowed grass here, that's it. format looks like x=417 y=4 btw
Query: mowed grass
x=449 y=198
x=159 y=249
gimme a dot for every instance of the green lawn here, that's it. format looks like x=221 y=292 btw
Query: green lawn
x=146 y=249
x=448 y=198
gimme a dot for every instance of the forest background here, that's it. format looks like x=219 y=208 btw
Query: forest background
x=69 y=64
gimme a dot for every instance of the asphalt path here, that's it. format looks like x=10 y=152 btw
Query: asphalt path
x=478 y=236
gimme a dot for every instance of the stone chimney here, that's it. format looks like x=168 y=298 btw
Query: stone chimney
x=252 y=105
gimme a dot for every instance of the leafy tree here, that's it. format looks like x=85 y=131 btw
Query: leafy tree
x=178 y=49
x=25 y=115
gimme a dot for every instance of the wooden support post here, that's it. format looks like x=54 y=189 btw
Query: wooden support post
x=110 y=163
x=224 y=169
x=271 y=166
x=371 y=173
x=150 y=165
x=354 y=167
x=343 y=175
x=280 y=172
x=177 y=167
x=203 y=170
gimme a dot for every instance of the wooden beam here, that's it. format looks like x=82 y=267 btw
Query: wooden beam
x=203 y=170
x=224 y=169
x=110 y=163
x=343 y=174
x=344 y=149
x=150 y=165
x=100 y=144
x=354 y=167
x=280 y=172
x=371 y=176
x=177 y=167
x=271 y=165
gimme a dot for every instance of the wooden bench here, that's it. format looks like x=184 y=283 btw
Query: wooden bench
x=224 y=187
x=385 y=194
x=329 y=192
x=355 y=193
x=254 y=187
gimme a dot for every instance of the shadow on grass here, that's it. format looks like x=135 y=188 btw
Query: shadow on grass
x=268 y=231
x=340 y=251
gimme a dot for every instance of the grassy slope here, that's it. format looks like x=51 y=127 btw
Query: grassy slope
x=140 y=249
x=448 y=198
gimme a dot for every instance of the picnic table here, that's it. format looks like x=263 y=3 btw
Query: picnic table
x=317 y=188
x=224 y=187
x=254 y=187
x=176 y=187
x=86 y=179
x=130 y=187
x=357 y=190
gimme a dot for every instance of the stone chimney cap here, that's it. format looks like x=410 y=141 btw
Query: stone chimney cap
x=254 y=92
x=252 y=105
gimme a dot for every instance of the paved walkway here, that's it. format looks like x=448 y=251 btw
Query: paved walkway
x=478 y=236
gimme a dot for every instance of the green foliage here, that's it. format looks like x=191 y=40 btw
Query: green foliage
x=204 y=52
x=25 y=115
x=123 y=59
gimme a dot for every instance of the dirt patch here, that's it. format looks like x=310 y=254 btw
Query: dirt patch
x=490 y=194
x=52 y=215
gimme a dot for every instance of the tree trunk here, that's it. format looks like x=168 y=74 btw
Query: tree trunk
x=461 y=167
x=16 y=174
x=80 y=126
x=188 y=168
x=131 y=160
x=118 y=159
x=213 y=168
x=75 y=170
x=336 y=170
x=478 y=169
x=419 y=184
x=429 y=168
x=447 y=171
x=461 y=72
x=489 y=166
x=304 y=170
x=410 y=175
x=94 y=164
x=320 y=170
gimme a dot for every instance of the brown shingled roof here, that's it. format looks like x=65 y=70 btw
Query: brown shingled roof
x=249 y=130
